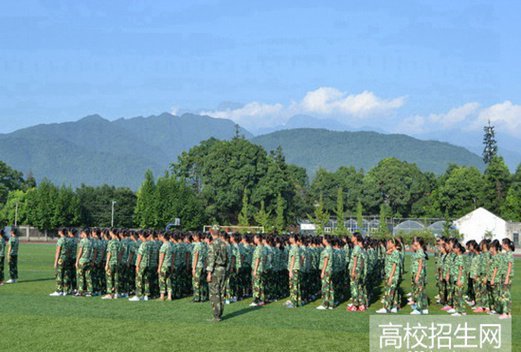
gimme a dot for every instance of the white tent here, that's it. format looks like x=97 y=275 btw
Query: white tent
x=476 y=224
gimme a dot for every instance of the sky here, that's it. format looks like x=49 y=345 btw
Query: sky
x=417 y=67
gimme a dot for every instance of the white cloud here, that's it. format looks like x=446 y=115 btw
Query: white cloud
x=505 y=116
x=322 y=102
x=327 y=100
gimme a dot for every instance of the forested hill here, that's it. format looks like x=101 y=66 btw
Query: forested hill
x=314 y=148
x=94 y=150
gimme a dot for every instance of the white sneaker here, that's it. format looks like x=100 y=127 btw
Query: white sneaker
x=10 y=281
x=382 y=311
x=492 y=312
x=394 y=310
x=321 y=307
x=416 y=312
x=330 y=308
x=226 y=301
x=253 y=304
x=425 y=311
x=409 y=294
x=145 y=298
x=451 y=311
x=55 y=294
x=456 y=314
x=107 y=297
x=134 y=299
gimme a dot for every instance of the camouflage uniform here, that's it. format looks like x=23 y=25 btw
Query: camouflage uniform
x=231 y=278
x=328 y=292
x=418 y=295
x=245 y=272
x=199 y=284
x=476 y=274
x=84 y=272
x=391 y=289
x=505 y=299
x=112 y=271
x=358 y=284
x=143 y=271
x=72 y=243
x=165 y=272
x=259 y=293
x=63 y=283
x=459 y=291
x=217 y=263
x=449 y=269
x=295 y=293
x=13 y=258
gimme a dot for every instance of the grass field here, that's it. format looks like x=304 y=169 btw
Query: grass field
x=30 y=320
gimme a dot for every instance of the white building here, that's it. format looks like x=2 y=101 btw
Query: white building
x=481 y=222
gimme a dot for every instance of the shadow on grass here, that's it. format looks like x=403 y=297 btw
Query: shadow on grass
x=35 y=280
x=240 y=312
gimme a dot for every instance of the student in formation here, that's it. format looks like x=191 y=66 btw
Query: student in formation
x=326 y=267
x=2 y=255
x=459 y=281
x=392 y=268
x=258 y=261
x=164 y=270
x=61 y=256
x=494 y=274
x=12 y=256
x=505 y=279
x=479 y=271
x=84 y=265
x=419 y=300
x=357 y=273
x=142 y=269
x=199 y=254
x=112 y=266
x=294 y=264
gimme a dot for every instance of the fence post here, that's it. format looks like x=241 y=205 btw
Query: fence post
x=27 y=233
x=46 y=236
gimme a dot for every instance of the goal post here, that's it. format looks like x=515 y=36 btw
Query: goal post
x=236 y=229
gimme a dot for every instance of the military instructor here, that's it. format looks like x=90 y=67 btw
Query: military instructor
x=216 y=269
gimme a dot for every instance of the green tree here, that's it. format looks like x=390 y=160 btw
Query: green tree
x=66 y=208
x=220 y=170
x=145 y=214
x=244 y=215
x=40 y=206
x=280 y=223
x=175 y=199
x=262 y=217
x=320 y=216
x=340 y=213
x=511 y=208
x=360 y=216
x=460 y=192
x=15 y=199
x=489 y=140
x=383 y=229
x=96 y=206
x=10 y=180
x=396 y=183
x=497 y=179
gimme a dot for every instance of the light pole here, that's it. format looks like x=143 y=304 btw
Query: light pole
x=16 y=215
x=112 y=218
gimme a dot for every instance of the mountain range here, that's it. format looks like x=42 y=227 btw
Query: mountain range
x=94 y=150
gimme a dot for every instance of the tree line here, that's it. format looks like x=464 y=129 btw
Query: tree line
x=238 y=182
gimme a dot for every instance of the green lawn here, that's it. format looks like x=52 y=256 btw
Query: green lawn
x=32 y=321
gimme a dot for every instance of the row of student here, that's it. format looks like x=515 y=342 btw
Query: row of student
x=147 y=264
x=479 y=275
x=9 y=245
